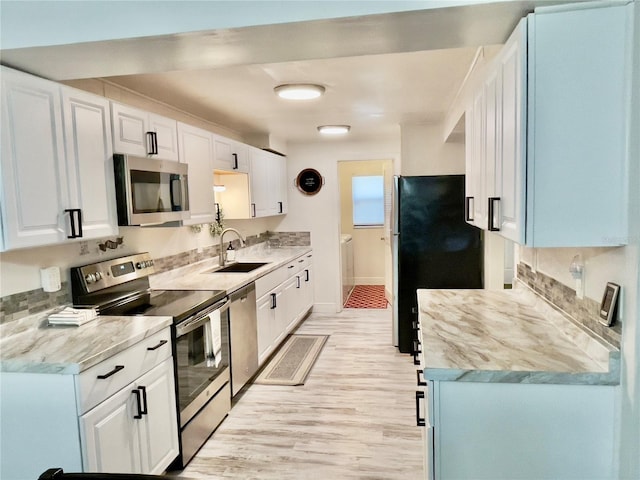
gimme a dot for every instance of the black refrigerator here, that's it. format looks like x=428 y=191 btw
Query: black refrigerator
x=433 y=246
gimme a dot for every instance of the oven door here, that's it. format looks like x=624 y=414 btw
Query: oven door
x=201 y=358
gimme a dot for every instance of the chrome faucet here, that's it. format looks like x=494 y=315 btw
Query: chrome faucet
x=221 y=260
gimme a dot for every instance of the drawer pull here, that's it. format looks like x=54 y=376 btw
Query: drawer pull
x=421 y=383
x=420 y=422
x=115 y=370
x=300 y=261
x=160 y=343
x=290 y=266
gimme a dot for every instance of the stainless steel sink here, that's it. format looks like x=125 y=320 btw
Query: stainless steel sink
x=239 y=267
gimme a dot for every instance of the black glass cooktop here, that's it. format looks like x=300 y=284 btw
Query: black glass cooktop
x=179 y=304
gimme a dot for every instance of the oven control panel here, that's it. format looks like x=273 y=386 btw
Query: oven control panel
x=97 y=276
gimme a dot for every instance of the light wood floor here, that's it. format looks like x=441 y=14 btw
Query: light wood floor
x=353 y=419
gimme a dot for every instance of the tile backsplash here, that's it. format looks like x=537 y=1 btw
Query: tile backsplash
x=582 y=310
x=19 y=305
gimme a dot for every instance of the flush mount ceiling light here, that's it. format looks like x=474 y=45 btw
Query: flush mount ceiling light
x=219 y=188
x=299 y=91
x=334 y=129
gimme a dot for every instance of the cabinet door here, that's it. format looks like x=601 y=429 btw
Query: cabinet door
x=223 y=154
x=307 y=278
x=511 y=163
x=289 y=303
x=266 y=319
x=479 y=162
x=130 y=127
x=166 y=130
x=110 y=433
x=492 y=153
x=159 y=427
x=241 y=151
x=34 y=182
x=87 y=125
x=260 y=196
x=196 y=149
x=281 y=188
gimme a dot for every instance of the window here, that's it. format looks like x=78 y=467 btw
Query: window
x=368 y=201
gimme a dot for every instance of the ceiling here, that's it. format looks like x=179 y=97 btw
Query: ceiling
x=379 y=70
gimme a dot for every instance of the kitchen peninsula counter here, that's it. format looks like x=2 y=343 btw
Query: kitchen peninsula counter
x=512 y=389
x=32 y=346
x=509 y=336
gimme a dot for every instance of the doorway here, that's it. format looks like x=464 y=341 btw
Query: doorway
x=365 y=227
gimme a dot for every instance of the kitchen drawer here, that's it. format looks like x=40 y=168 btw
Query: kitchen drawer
x=271 y=280
x=121 y=369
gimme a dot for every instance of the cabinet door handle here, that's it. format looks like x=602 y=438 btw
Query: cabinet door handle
x=253 y=209
x=75 y=218
x=416 y=352
x=115 y=370
x=307 y=275
x=138 y=415
x=152 y=143
x=414 y=325
x=279 y=207
x=160 y=343
x=291 y=266
x=421 y=383
x=144 y=410
x=274 y=302
x=492 y=211
x=235 y=161
x=300 y=261
x=420 y=422
x=298 y=281
x=468 y=209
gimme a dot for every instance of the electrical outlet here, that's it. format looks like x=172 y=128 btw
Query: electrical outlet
x=84 y=248
x=50 y=279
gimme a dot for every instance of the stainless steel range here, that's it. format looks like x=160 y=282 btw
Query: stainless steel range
x=200 y=334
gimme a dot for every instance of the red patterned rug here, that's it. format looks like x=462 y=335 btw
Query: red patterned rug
x=367 y=296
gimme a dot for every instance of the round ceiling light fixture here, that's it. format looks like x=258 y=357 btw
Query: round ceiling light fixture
x=334 y=129
x=299 y=91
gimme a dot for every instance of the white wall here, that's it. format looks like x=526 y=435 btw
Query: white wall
x=424 y=151
x=320 y=213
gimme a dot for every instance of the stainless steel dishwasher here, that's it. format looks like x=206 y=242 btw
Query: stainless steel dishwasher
x=243 y=333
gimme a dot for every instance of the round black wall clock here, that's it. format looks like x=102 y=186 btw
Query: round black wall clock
x=309 y=181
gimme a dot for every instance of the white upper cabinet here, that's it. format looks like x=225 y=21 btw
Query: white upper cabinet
x=57 y=181
x=579 y=95
x=556 y=177
x=230 y=155
x=268 y=183
x=196 y=150
x=89 y=154
x=144 y=134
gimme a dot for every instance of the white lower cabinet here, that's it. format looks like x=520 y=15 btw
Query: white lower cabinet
x=284 y=298
x=485 y=431
x=119 y=442
x=117 y=416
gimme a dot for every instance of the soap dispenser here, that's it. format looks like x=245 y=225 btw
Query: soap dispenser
x=231 y=253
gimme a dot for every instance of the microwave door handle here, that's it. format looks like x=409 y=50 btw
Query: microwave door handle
x=176 y=184
x=185 y=192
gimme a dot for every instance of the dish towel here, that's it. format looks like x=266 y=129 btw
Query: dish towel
x=72 y=316
x=216 y=337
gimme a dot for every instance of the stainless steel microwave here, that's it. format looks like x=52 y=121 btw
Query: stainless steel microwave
x=150 y=191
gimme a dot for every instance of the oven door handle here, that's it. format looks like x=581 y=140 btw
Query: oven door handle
x=189 y=326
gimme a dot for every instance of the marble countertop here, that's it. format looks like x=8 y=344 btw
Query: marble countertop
x=31 y=345
x=40 y=348
x=197 y=276
x=509 y=336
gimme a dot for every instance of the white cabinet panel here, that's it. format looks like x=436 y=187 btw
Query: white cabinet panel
x=196 y=149
x=34 y=180
x=140 y=133
x=111 y=438
x=89 y=153
x=230 y=155
x=158 y=432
